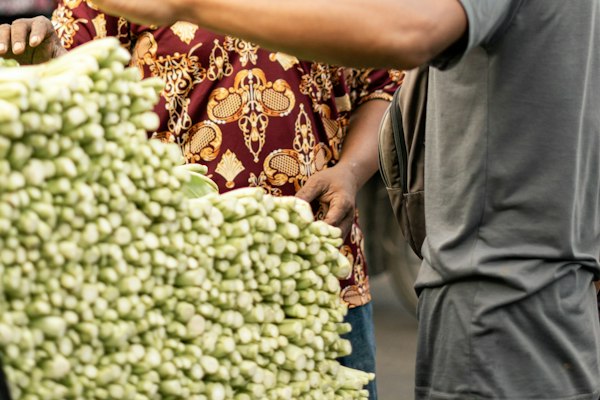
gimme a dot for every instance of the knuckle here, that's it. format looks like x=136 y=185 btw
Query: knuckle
x=42 y=21
x=347 y=203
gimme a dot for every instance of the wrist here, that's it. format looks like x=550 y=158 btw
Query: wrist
x=354 y=174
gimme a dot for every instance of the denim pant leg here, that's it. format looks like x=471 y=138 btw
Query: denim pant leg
x=362 y=338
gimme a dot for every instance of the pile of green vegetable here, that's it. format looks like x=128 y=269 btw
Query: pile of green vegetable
x=118 y=282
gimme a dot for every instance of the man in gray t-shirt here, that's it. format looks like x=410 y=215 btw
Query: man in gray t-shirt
x=507 y=306
x=513 y=211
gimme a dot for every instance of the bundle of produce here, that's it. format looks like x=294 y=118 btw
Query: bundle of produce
x=124 y=275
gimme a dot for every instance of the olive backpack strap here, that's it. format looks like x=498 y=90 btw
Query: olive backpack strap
x=402 y=155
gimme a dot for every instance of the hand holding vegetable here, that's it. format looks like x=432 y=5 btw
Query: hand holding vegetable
x=30 y=41
x=336 y=188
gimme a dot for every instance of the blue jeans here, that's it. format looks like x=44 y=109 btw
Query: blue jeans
x=362 y=338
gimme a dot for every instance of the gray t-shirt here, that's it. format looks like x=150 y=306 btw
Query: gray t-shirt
x=513 y=146
x=507 y=309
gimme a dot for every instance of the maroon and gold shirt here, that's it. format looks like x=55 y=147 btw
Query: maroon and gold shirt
x=254 y=117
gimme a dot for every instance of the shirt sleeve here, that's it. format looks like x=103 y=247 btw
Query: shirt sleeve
x=370 y=84
x=488 y=20
x=79 y=21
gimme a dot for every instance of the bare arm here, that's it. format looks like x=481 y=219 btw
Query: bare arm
x=359 y=152
x=380 y=33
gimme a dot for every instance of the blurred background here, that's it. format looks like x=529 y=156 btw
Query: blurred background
x=13 y=9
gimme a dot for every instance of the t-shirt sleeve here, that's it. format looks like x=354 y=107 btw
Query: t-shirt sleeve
x=488 y=20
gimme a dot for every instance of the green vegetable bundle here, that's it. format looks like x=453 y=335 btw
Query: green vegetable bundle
x=118 y=282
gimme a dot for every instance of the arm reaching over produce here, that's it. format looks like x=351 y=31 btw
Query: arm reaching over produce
x=397 y=34
x=30 y=41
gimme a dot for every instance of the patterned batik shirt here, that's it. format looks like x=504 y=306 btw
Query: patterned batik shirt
x=254 y=117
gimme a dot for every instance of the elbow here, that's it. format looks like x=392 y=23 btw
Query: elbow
x=410 y=51
x=425 y=40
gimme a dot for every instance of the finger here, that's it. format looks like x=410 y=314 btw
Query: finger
x=41 y=29
x=335 y=216
x=346 y=226
x=339 y=210
x=312 y=189
x=343 y=222
x=19 y=32
x=4 y=38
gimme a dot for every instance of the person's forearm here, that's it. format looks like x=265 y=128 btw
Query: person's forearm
x=386 y=33
x=359 y=152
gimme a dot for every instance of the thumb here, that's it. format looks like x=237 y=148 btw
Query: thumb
x=41 y=29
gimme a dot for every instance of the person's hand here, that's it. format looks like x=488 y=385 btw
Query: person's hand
x=147 y=12
x=30 y=41
x=336 y=188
